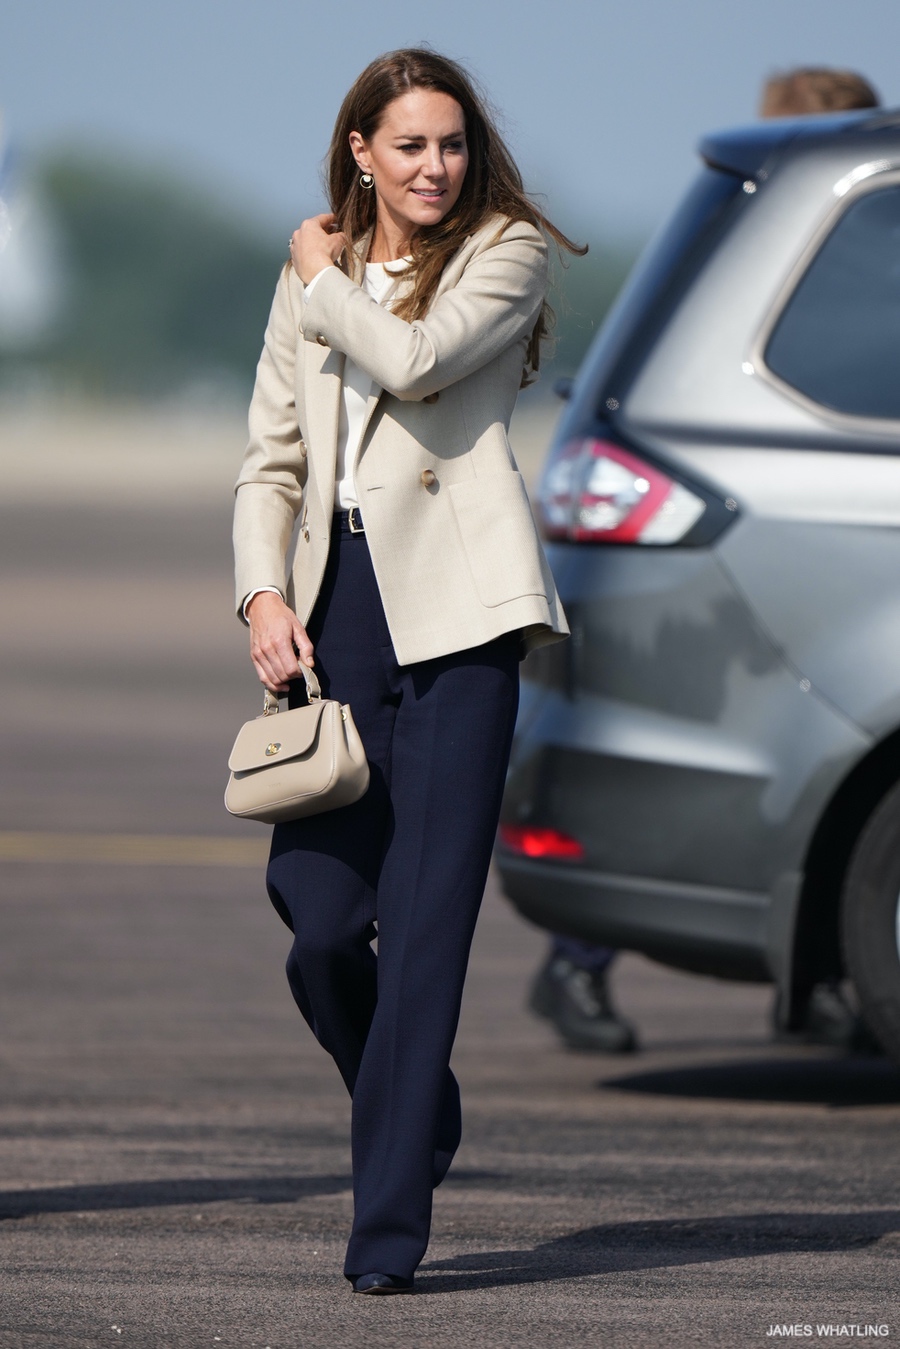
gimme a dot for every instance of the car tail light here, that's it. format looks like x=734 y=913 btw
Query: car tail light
x=594 y=491
x=537 y=842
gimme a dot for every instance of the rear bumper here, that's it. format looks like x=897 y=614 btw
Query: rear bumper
x=699 y=928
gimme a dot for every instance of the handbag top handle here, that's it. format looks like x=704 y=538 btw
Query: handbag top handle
x=313 y=692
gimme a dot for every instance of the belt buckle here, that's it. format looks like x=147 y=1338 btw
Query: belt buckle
x=356 y=526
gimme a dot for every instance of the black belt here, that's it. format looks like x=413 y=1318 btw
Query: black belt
x=350 y=522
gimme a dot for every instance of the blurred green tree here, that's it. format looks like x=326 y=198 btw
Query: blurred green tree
x=166 y=290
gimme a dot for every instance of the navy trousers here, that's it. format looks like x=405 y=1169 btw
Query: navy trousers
x=407 y=863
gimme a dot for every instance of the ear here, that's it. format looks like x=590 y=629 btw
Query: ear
x=358 y=150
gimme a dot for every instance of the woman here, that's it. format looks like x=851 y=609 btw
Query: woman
x=379 y=421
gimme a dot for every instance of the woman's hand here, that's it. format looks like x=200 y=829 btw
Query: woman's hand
x=317 y=244
x=276 y=636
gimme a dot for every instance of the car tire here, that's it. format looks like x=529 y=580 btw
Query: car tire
x=870 y=921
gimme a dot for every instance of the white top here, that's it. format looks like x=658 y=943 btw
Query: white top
x=380 y=281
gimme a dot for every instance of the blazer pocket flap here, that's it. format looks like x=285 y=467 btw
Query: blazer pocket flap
x=499 y=535
x=275 y=739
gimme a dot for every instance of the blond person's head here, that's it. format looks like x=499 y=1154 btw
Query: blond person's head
x=812 y=89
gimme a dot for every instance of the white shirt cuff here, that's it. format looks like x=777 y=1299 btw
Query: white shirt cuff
x=308 y=290
x=258 y=591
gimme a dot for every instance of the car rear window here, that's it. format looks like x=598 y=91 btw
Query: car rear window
x=648 y=298
x=838 y=339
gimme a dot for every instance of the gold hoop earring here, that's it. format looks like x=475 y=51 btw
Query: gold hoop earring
x=367 y=181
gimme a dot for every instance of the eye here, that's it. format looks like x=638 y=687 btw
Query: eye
x=456 y=146
x=410 y=149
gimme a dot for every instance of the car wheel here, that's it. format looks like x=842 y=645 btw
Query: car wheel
x=870 y=921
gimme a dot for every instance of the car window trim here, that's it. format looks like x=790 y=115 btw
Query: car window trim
x=858 y=182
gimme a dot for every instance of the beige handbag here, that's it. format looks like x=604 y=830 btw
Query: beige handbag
x=288 y=764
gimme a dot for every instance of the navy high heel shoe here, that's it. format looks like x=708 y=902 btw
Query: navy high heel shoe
x=380 y=1284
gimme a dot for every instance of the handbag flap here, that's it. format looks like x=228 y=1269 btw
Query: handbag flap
x=274 y=739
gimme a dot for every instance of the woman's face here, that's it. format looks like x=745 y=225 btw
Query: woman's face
x=418 y=158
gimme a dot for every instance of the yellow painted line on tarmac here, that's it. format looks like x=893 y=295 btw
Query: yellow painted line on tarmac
x=180 y=850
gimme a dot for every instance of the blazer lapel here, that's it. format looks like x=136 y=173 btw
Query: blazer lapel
x=324 y=371
x=403 y=286
x=374 y=399
x=323 y=375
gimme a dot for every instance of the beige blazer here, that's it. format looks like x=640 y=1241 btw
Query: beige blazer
x=447 y=518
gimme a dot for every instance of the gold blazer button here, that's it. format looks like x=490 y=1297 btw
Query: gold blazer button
x=322 y=340
x=431 y=398
x=428 y=478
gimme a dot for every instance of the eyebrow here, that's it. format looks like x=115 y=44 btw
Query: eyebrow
x=417 y=136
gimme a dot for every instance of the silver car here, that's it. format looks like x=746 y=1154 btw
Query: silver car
x=709 y=771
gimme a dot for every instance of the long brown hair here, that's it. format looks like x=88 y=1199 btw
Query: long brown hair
x=492 y=185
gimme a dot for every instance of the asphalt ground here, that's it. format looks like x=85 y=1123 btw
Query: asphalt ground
x=175 y=1162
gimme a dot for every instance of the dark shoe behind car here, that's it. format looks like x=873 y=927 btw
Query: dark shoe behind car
x=578 y=1003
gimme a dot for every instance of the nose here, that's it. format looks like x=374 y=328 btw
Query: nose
x=433 y=164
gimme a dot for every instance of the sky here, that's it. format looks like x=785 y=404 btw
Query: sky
x=602 y=104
